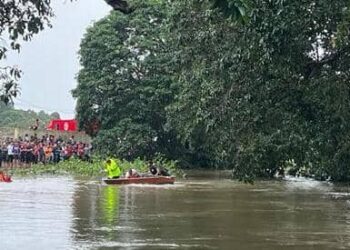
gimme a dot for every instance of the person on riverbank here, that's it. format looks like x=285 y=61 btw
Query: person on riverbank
x=0 y=156
x=10 y=154
x=112 y=169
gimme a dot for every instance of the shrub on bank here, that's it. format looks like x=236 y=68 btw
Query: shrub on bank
x=94 y=168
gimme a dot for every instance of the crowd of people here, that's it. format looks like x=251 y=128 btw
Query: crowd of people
x=48 y=149
x=28 y=150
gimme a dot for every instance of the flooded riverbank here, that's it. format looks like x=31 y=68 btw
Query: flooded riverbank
x=198 y=213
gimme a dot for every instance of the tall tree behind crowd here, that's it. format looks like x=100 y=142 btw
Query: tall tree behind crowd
x=124 y=85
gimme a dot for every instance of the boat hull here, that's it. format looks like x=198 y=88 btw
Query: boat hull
x=141 y=180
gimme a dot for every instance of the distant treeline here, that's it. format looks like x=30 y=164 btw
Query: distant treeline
x=16 y=118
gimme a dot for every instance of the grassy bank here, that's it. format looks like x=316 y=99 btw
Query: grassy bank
x=94 y=168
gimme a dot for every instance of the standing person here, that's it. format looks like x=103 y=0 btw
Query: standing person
x=48 y=153
x=4 y=153
x=35 y=126
x=10 y=154
x=16 y=153
x=41 y=153
x=57 y=153
x=87 y=152
x=112 y=169
x=71 y=140
x=36 y=153
x=0 y=155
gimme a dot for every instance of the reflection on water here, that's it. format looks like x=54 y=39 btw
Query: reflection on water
x=110 y=205
x=63 y=213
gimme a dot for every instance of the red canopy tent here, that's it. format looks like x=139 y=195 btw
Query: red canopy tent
x=63 y=125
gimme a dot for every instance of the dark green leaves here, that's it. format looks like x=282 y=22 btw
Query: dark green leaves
x=185 y=79
x=19 y=20
x=234 y=9
x=123 y=84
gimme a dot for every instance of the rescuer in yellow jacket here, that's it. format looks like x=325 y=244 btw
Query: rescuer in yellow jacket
x=112 y=169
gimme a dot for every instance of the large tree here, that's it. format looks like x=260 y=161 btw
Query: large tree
x=236 y=9
x=124 y=86
x=272 y=91
x=252 y=96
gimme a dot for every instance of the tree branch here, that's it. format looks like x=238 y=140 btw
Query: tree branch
x=120 y=5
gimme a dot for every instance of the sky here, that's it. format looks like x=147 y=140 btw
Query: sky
x=50 y=60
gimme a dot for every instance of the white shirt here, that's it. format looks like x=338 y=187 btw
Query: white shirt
x=10 y=149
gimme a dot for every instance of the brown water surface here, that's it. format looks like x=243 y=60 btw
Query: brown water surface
x=198 y=213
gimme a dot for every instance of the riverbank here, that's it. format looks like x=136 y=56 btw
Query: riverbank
x=89 y=168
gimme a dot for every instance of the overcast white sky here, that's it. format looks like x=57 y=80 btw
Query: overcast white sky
x=50 y=61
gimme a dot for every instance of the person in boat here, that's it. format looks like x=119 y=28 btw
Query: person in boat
x=112 y=169
x=158 y=170
x=132 y=173
x=4 y=177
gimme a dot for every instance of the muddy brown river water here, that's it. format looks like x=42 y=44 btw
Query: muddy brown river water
x=197 y=213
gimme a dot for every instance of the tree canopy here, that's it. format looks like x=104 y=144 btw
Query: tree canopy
x=19 y=20
x=122 y=86
x=256 y=96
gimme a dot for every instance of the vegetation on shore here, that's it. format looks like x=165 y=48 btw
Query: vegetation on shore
x=93 y=168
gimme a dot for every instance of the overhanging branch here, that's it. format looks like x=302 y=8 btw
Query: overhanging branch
x=120 y=5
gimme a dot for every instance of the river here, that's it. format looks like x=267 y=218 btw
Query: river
x=197 y=213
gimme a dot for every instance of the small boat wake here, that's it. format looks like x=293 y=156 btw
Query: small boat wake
x=305 y=183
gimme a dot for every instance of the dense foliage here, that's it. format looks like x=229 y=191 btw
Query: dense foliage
x=255 y=96
x=19 y=20
x=272 y=90
x=122 y=86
